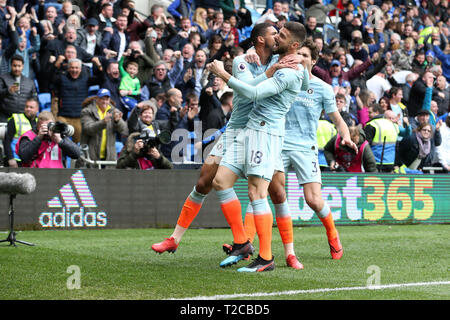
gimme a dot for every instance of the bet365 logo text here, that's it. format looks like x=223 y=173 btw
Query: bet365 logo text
x=74 y=207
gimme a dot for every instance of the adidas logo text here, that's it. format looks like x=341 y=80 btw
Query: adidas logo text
x=75 y=206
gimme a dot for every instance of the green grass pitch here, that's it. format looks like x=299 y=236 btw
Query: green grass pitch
x=119 y=264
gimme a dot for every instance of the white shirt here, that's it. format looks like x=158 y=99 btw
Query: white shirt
x=443 y=150
x=123 y=43
x=378 y=85
x=91 y=42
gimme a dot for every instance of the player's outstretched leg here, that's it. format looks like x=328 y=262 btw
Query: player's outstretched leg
x=283 y=218
x=334 y=242
x=313 y=197
x=191 y=207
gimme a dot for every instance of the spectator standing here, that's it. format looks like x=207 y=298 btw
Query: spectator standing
x=89 y=38
x=15 y=89
x=116 y=39
x=335 y=76
x=18 y=124
x=218 y=117
x=443 y=151
x=418 y=150
x=162 y=79
x=441 y=94
x=196 y=77
x=101 y=122
x=417 y=93
x=70 y=90
x=169 y=111
x=382 y=135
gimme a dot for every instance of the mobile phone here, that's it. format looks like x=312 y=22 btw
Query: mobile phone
x=16 y=84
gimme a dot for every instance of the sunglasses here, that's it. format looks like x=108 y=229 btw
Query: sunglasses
x=426 y=130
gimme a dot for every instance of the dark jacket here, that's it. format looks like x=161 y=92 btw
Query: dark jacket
x=81 y=40
x=112 y=41
x=216 y=119
x=58 y=47
x=14 y=103
x=325 y=75
x=128 y=159
x=155 y=87
x=92 y=128
x=11 y=131
x=72 y=92
x=29 y=148
x=409 y=150
x=368 y=159
x=136 y=125
x=416 y=97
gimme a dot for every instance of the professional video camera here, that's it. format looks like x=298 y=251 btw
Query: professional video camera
x=62 y=128
x=152 y=139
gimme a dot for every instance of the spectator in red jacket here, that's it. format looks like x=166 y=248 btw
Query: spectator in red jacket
x=335 y=75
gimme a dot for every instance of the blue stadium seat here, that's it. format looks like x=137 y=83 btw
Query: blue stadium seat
x=330 y=32
x=45 y=101
x=119 y=146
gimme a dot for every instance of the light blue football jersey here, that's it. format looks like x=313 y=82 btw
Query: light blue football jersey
x=303 y=118
x=252 y=74
x=273 y=98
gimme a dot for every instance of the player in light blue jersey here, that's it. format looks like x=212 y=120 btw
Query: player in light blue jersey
x=300 y=149
x=264 y=43
x=258 y=149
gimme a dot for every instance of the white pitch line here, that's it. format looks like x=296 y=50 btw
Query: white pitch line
x=292 y=292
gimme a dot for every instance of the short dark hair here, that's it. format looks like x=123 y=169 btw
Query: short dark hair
x=259 y=30
x=340 y=96
x=313 y=48
x=226 y=97
x=191 y=96
x=17 y=57
x=377 y=108
x=297 y=31
x=394 y=91
x=358 y=40
x=32 y=99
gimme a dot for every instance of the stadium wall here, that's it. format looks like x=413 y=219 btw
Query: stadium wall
x=91 y=198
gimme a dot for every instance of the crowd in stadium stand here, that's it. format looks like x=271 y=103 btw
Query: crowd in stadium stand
x=86 y=81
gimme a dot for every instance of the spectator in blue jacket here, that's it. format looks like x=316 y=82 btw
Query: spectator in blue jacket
x=444 y=58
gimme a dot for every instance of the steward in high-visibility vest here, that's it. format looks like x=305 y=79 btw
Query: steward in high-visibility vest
x=325 y=131
x=382 y=134
x=18 y=124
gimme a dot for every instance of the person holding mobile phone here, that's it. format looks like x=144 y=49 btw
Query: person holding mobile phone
x=15 y=89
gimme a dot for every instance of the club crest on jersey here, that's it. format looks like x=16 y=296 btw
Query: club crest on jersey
x=310 y=91
x=242 y=67
x=279 y=74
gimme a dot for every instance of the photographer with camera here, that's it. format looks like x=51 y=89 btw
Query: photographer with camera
x=343 y=159
x=45 y=146
x=141 y=152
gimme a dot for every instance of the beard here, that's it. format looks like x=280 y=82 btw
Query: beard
x=281 y=50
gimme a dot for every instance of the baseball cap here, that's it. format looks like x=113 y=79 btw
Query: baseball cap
x=423 y=111
x=103 y=92
x=92 y=22
x=430 y=53
x=335 y=63
x=271 y=17
x=345 y=84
